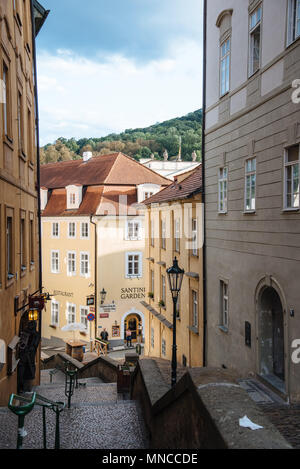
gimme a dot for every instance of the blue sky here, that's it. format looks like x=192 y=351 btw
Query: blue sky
x=108 y=65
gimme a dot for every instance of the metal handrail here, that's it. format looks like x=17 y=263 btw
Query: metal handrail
x=22 y=411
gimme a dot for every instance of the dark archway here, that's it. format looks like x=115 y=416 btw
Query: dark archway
x=271 y=337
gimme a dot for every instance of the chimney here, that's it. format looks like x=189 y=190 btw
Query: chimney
x=87 y=155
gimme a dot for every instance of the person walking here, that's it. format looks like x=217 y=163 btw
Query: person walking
x=128 y=337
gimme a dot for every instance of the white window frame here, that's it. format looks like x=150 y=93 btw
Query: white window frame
x=163 y=347
x=73 y=312
x=163 y=288
x=293 y=19
x=69 y=233
x=135 y=223
x=163 y=234
x=152 y=233
x=71 y=273
x=177 y=235
x=222 y=192
x=287 y=166
x=84 y=261
x=194 y=236
x=84 y=311
x=250 y=172
x=88 y=230
x=152 y=277
x=252 y=29
x=140 y=264
x=195 y=311
x=55 y=234
x=148 y=194
x=55 y=271
x=54 y=322
x=225 y=55
x=224 y=306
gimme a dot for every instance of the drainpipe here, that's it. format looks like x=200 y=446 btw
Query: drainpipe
x=38 y=185
x=203 y=185
x=95 y=274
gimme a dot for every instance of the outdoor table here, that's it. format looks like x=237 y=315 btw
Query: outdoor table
x=75 y=349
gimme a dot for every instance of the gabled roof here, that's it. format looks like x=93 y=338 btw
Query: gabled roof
x=113 y=169
x=179 y=190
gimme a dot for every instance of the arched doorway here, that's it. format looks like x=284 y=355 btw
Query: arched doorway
x=133 y=323
x=271 y=337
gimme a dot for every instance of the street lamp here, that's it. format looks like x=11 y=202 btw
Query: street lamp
x=103 y=295
x=175 y=277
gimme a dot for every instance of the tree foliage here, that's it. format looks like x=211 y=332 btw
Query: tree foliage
x=137 y=143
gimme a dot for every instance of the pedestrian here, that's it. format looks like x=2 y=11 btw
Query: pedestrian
x=128 y=337
x=104 y=334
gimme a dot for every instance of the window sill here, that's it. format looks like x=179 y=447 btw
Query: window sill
x=290 y=210
x=223 y=329
x=223 y=95
x=53 y=326
x=32 y=266
x=22 y=156
x=8 y=141
x=10 y=281
x=249 y=212
x=222 y=213
x=31 y=164
x=194 y=329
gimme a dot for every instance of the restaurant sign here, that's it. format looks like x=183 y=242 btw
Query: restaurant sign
x=133 y=293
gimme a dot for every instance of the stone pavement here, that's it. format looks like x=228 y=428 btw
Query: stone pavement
x=98 y=419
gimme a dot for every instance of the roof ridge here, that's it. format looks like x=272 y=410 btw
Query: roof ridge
x=145 y=167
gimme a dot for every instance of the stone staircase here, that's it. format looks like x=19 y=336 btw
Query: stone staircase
x=99 y=418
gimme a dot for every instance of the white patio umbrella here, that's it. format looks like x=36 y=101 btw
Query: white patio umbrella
x=73 y=327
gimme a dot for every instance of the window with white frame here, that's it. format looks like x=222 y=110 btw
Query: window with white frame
x=163 y=289
x=293 y=21
x=71 y=313
x=71 y=263
x=133 y=264
x=163 y=347
x=133 y=230
x=224 y=304
x=152 y=232
x=54 y=313
x=84 y=230
x=72 y=198
x=152 y=337
x=152 y=281
x=225 y=66
x=255 y=40
x=55 y=230
x=291 y=178
x=223 y=185
x=177 y=234
x=194 y=309
x=194 y=237
x=84 y=264
x=72 y=230
x=84 y=311
x=163 y=234
x=250 y=185
x=55 y=262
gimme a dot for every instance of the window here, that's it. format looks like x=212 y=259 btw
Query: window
x=71 y=316
x=133 y=264
x=20 y=121
x=225 y=67
x=152 y=232
x=224 y=304
x=255 y=39
x=152 y=281
x=163 y=347
x=223 y=175
x=84 y=311
x=84 y=232
x=29 y=136
x=22 y=243
x=84 y=264
x=71 y=263
x=291 y=190
x=177 y=234
x=163 y=288
x=31 y=240
x=6 y=104
x=55 y=230
x=55 y=262
x=54 y=313
x=294 y=21
x=250 y=185
x=152 y=337
x=163 y=234
x=72 y=230
x=133 y=230
x=9 y=248
x=72 y=198
x=194 y=237
x=147 y=195
x=195 y=309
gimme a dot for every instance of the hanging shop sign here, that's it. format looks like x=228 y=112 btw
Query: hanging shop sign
x=36 y=303
x=90 y=301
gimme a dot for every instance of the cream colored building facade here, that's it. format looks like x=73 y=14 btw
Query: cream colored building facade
x=175 y=229
x=93 y=239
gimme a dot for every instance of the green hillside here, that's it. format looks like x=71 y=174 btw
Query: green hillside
x=137 y=143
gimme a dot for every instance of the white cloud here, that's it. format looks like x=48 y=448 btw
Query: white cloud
x=84 y=98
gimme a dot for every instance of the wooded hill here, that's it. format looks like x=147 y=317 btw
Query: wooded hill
x=137 y=143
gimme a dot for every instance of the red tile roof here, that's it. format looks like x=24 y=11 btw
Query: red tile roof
x=179 y=190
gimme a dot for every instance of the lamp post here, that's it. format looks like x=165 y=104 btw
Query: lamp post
x=103 y=295
x=175 y=277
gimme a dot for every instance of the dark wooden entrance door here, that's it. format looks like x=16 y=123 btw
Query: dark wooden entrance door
x=278 y=344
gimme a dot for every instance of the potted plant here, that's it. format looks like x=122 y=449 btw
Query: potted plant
x=161 y=304
x=151 y=295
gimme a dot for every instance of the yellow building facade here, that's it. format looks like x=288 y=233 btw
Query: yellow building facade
x=19 y=233
x=93 y=239
x=175 y=229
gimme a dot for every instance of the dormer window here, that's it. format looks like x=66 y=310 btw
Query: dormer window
x=145 y=191
x=74 y=197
